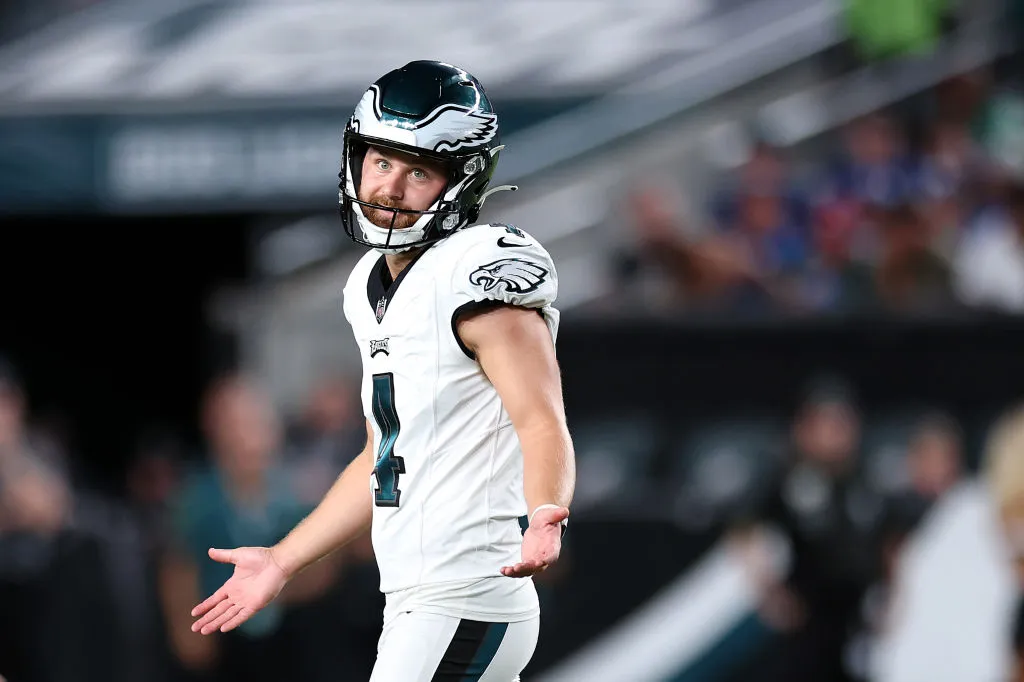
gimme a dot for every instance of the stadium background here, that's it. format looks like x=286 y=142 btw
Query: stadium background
x=788 y=234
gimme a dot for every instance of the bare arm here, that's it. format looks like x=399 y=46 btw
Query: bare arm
x=345 y=512
x=515 y=350
x=262 y=573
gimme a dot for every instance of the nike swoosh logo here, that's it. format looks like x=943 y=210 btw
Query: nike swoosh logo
x=510 y=245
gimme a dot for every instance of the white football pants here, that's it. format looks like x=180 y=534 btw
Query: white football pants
x=423 y=647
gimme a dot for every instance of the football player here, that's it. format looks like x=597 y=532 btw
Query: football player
x=468 y=469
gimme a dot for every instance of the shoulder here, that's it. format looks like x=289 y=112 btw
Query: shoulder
x=499 y=262
x=361 y=270
x=490 y=238
x=355 y=285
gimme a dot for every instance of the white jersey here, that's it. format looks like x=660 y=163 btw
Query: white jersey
x=447 y=489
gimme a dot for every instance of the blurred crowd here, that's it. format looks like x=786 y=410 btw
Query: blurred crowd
x=843 y=507
x=915 y=210
x=109 y=580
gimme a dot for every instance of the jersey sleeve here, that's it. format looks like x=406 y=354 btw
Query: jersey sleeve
x=504 y=266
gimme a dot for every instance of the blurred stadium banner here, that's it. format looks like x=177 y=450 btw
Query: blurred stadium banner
x=203 y=106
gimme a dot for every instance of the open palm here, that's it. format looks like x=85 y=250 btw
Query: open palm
x=542 y=543
x=256 y=581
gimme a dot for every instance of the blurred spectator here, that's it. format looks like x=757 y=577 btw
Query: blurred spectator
x=329 y=435
x=830 y=518
x=153 y=478
x=910 y=276
x=678 y=266
x=243 y=498
x=836 y=280
x=935 y=462
x=35 y=497
x=55 y=591
x=152 y=481
x=951 y=179
x=874 y=168
x=765 y=172
x=935 y=457
x=773 y=239
x=989 y=262
x=956 y=569
x=764 y=216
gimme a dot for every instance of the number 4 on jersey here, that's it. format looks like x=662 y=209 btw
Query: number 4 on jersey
x=388 y=466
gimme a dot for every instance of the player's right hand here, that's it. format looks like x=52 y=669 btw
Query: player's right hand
x=257 y=579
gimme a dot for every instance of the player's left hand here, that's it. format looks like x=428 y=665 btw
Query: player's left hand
x=542 y=543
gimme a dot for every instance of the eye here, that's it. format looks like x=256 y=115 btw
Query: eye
x=419 y=174
x=383 y=164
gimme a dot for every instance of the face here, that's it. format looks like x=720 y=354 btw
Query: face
x=761 y=213
x=398 y=180
x=934 y=462
x=242 y=428
x=764 y=169
x=872 y=141
x=828 y=433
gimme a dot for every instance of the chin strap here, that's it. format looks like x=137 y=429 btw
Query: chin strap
x=499 y=188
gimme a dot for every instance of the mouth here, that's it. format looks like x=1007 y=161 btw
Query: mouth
x=386 y=214
x=389 y=219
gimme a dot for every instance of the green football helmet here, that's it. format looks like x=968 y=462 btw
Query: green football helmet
x=428 y=109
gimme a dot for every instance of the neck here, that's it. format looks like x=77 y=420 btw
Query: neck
x=399 y=261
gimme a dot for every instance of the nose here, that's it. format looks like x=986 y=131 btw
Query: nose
x=394 y=186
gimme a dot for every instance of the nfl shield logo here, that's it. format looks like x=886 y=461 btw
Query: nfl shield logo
x=382 y=304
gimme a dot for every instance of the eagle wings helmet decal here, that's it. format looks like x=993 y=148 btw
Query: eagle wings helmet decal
x=513 y=275
x=446 y=129
x=457 y=128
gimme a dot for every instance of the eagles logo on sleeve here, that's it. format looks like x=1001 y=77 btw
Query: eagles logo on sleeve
x=512 y=275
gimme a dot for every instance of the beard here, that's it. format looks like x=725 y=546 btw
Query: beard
x=387 y=219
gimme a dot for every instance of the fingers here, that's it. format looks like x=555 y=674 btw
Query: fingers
x=224 y=556
x=240 y=617
x=221 y=620
x=211 y=601
x=523 y=569
x=203 y=624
